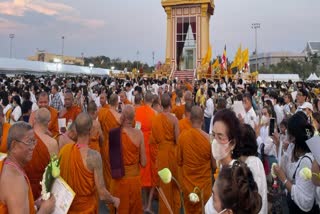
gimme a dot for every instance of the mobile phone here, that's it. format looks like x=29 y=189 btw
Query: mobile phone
x=271 y=126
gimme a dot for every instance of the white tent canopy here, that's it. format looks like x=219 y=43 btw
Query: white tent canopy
x=313 y=77
x=279 y=77
x=15 y=66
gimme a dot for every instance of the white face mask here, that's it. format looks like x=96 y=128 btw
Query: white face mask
x=264 y=120
x=216 y=212
x=219 y=151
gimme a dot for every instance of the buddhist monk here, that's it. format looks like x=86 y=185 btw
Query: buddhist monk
x=187 y=97
x=109 y=119
x=178 y=106
x=128 y=188
x=123 y=98
x=45 y=147
x=70 y=136
x=43 y=102
x=156 y=103
x=138 y=100
x=70 y=111
x=103 y=100
x=165 y=132
x=96 y=135
x=144 y=116
x=81 y=168
x=185 y=123
x=4 y=130
x=194 y=158
x=16 y=194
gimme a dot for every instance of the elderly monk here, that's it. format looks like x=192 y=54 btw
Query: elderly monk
x=81 y=168
x=185 y=123
x=123 y=98
x=128 y=188
x=103 y=100
x=144 y=116
x=194 y=158
x=16 y=195
x=43 y=102
x=165 y=132
x=96 y=135
x=178 y=105
x=138 y=102
x=45 y=147
x=70 y=111
x=4 y=129
x=70 y=136
x=109 y=119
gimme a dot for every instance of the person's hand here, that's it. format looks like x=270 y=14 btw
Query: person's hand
x=285 y=145
x=279 y=173
x=48 y=205
x=116 y=202
x=276 y=138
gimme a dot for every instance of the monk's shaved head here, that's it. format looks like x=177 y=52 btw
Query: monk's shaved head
x=137 y=98
x=188 y=96
x=148 y=98
x=165 y=101
x=188 y=107
x=103 y=99
x=83 y=124
x=127 y=114
x=43 y=94
x=68 y=99
x=113 y=101
x=196 y=114
x=92 y=107
x=42 y=116
x=17 y=131
x=43 y=100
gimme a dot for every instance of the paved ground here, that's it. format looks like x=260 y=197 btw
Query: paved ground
x=104 y=210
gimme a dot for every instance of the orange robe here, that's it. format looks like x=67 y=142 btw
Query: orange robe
x=163 y=134
x=144 y=115
x=5 y=131
x=194 y=157
x=36 y=167
x=128 y=188
x=4 y=208
x=107 y=122
x=173 y=98
x=189 y=87
x=53 y=125
x=72 y=113
x=80 y=179
x=94 y=140
x=184 y=124
x=127 y=102
x=178 y=111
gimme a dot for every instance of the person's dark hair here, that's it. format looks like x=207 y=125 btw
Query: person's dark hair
x=248 y=143
x=301 y=131
x=237 y=189
x=26 y=95
x=17 y=99
x=316 y=116
x=315 y=103
x=269 y=110
x=209 y=93
x=284 y=122
x=270 y=105
x=232 y=123
x=248 y=97
x=221 y=103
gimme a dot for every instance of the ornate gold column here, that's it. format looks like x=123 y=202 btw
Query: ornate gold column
x=169 y=35
x=204 y=30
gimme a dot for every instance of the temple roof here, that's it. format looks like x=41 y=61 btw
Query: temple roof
x=166 y=3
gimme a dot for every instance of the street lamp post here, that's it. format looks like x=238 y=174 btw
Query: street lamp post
x=153 y=57
x=62 y=49
x=138 y=59
x=256 y=26
x=11 y=36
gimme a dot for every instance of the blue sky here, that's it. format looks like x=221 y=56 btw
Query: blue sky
x=118 y=28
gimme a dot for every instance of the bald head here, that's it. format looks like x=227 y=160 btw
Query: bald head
x=42 y=116
x=113 y=101
x=148 y=98
x=188 y=96
x=188 y=107
x=165 y=101
x=127 y=114
x=17 y=131
x=83 y=124
x=92 y=107
x=196 y=115
x=43 y=100
x=137 y=98
x=68 y=99
x=103 y=99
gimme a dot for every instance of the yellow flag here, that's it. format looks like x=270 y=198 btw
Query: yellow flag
x=208 y=56
x=216 y=63
x=244 y=59
x=237 y=58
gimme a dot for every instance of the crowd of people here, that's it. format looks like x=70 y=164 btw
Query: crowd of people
x=239 y=146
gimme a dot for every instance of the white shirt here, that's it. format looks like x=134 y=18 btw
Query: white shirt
x=17 y=113
x=155 y=89
x=208 y=112
x=279 y=112
x=303 y=192
x=130 y=96
x=264 y=138
x=259 y=176
x=250 y=118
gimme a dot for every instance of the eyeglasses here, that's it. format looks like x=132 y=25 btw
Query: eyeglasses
x=29 y=143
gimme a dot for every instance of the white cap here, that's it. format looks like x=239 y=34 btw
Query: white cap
x=307 y=105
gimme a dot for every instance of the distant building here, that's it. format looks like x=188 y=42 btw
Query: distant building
x=43 y=56
x=273 y=58
x=312 y=48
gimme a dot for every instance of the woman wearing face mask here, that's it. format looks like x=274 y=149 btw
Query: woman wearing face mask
x=301 y=192
x=235 y=191
x=16 y=110
x=226 y=132
x=266 y=148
